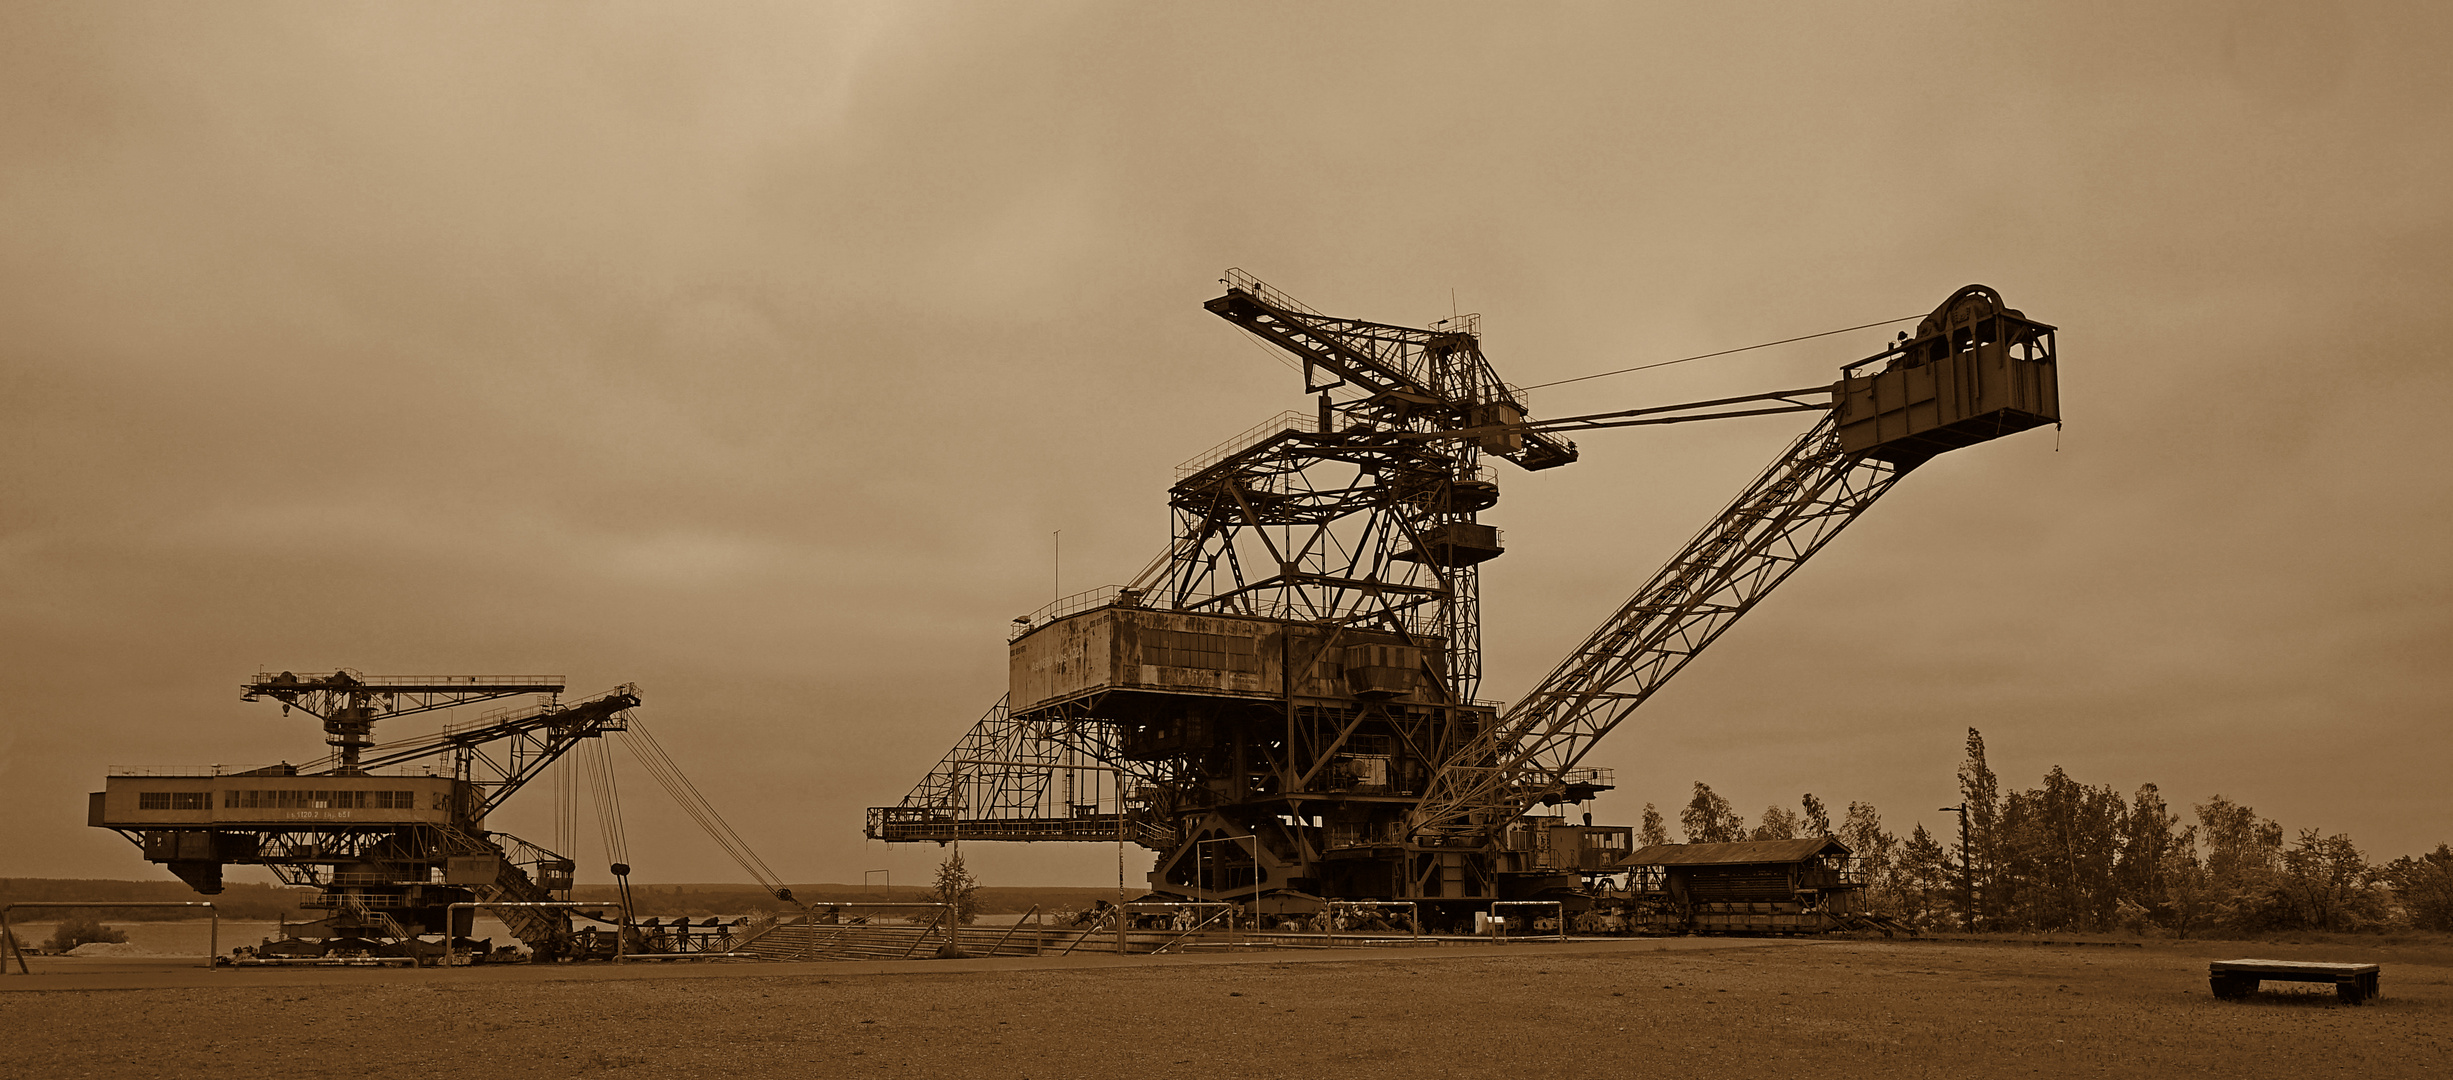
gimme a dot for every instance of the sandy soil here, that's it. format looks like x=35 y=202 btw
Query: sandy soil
x=1686 y=1007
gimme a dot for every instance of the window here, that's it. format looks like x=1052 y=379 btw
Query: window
x=317 y=800
x=174 y=800
x=1194 y=649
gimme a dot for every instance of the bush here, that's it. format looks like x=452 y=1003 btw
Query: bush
x=2135 y=920
x=80 y=928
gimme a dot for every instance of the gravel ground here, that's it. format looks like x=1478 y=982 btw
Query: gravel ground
x=1683 y=1008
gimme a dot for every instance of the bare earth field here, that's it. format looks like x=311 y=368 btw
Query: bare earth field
x=1678 y=1007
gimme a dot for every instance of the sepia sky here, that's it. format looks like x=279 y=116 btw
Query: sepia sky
x=754 y=353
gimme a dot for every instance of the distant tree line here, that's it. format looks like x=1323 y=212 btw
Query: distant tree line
x=237 y=900
x=2065 y=856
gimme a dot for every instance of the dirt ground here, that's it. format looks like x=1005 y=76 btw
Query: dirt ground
x=1680 y=1007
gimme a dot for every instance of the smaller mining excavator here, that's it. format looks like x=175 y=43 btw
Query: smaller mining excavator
x=390 y=846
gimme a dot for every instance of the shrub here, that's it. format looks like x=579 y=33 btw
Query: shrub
x=80 y=928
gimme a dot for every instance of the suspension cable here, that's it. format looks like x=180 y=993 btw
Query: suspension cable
x=660 y=766
x=566 y=806
x=608 y=803
x=1723 y=352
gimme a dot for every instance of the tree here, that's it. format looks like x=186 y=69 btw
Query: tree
x=2066 y=850
x=2053 y=853
x=1818 y=820
x=1653 y=831
x=1875 y=851
x=2189 y=891
x=955 y=886
x=2424 y=885
x=2147 y=837
x=1927 y=888
x=1980 y=792
x=2243 y=858
x=1779 y=823
x=2326 y=882
x=1708 y=818
x=2239 y=844
x=2006 y=863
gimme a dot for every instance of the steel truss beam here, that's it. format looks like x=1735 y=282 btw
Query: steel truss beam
x=349 y=703
x=532 y=738
x=1800 y=503
x=1067 y=780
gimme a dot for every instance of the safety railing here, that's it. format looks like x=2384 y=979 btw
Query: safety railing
x=1086 y=600
x=273 y=681
x=941 y=913
x=1247 y=439
x=349 y=900
x=1221 y=911
x=1039 y=935
x=1424 y=627
x=1236 y=278
x=8 y=937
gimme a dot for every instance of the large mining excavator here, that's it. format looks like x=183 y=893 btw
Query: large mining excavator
x=1283 y=704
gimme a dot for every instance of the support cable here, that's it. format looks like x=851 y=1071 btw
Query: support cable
x=608 y=801
x=566 y=806
x=1723 y=352
x=660 y=766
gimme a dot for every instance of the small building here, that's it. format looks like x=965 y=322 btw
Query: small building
x=1752 y=887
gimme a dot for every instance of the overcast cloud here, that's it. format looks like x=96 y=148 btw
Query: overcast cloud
x=753 y=353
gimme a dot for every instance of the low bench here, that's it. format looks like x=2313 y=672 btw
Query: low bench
x=2233 y=979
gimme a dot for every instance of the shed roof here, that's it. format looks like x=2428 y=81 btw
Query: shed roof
x=1750 y=851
